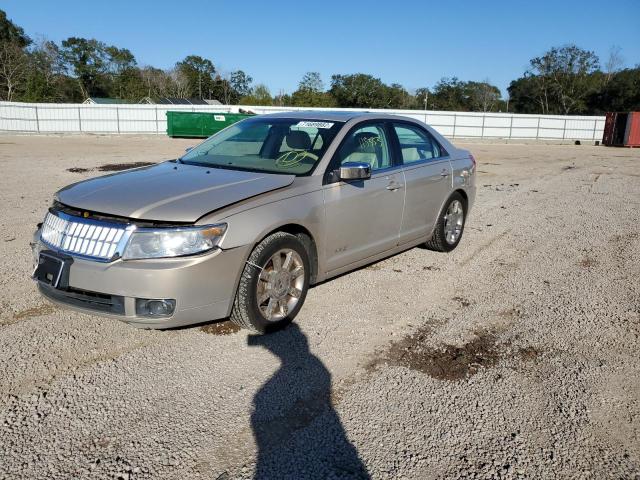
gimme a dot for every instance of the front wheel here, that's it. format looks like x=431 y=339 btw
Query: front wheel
x=273 y=285
x=450 y=225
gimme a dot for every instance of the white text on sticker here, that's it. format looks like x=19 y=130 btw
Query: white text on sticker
x=314 y=125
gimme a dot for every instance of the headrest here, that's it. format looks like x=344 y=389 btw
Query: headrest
x=298 y=140
x=367 y=142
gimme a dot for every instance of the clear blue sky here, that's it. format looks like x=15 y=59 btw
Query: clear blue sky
x=414 y=43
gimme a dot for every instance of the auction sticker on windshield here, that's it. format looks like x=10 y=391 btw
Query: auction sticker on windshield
x=314 y=125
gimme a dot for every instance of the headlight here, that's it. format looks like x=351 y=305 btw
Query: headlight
x=172 y=242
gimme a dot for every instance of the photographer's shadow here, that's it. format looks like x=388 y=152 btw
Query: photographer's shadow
x=297 y=431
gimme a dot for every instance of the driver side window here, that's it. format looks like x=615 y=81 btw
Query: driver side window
x=367 y=144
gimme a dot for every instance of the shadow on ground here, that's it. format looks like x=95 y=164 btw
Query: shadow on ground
x=297 y=431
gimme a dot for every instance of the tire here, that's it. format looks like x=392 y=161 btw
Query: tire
x=261 y=277
x=440 y=241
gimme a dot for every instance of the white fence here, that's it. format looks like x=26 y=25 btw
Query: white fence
x=151 y=119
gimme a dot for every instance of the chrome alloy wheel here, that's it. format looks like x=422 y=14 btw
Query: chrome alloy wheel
x=453 y=222
x=280 y=284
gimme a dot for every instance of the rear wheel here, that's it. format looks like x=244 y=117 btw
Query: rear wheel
x=450 y=226
x=273 y=285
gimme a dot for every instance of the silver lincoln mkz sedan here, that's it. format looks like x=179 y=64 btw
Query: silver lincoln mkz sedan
x=245 y=222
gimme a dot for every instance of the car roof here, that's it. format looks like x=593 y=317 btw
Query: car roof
x=329 y=115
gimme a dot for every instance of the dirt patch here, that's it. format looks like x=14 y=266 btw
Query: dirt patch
x=587 y=262
x=568 y=167
x=452 y=362
x=464 y=302
x=78 y=170
x=448 y=362
x=221 y=328
x=528 y=354
x=38 y=311
x=621 y=238
x=116 y=167
x=511 y=313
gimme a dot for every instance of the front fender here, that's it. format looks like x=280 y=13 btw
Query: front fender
x=250 y=226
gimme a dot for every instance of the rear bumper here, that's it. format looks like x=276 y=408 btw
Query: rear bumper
x=203 y=287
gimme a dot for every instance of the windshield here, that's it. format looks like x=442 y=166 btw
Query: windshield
x=290 y=146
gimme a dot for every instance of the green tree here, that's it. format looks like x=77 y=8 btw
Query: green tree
x=11 y=33
x=310 y=92
x=526 y=96
x=359 y=90
x=222 y=90
x=483 y=97
x=558 y=82
x=125 y=77
x=240 y=83
x=14 y=63
x=449 y=94
x=88 y=61
x=119 y=59
x=420 y=100
x=43 y=82
x=311 y=81
x=156 y=82
x=260 y=95
x=621 y=93
x=396 y=96
x=282 y=99
x=455 y=95
x=199 y=74
x=229 y=88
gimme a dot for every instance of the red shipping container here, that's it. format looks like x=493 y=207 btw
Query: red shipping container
x=632 y=134
x=622 y=129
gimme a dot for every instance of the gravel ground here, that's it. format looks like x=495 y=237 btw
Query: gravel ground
x=516 y=356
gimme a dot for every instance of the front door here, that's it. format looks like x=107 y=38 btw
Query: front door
x=363 y=218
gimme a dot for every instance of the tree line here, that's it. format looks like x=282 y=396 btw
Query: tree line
x=565 y=80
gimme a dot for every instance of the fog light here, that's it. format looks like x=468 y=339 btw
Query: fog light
x=146 y=307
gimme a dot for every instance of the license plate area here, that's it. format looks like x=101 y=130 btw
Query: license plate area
x=53 y=269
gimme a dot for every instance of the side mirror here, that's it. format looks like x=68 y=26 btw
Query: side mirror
x=355 y=171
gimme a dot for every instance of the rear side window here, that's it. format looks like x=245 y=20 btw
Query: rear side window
x=416 y=145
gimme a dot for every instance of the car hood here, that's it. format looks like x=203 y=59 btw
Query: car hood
x=171 y=192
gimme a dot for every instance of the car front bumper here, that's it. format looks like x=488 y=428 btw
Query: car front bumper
x=203 y=286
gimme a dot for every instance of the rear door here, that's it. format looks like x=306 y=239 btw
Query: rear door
x=363 y=217
x=428 y=176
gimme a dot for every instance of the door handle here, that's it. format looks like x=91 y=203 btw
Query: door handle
x=393 y=186
x=444 y=173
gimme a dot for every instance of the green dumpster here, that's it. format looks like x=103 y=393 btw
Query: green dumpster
x=200 y=124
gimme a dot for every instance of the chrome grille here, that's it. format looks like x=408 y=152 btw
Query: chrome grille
x=78 y=236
